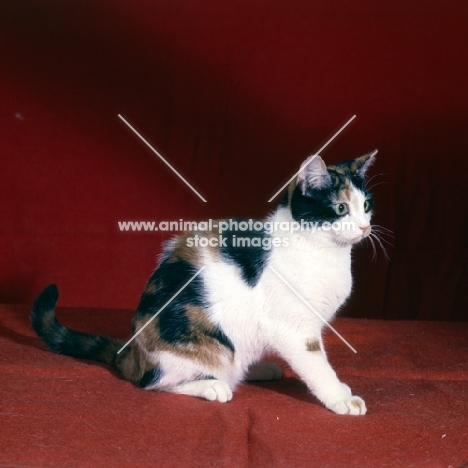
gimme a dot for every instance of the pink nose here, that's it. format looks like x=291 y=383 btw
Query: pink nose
x=365 y=230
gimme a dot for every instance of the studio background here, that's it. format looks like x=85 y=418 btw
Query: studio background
x=235 y=95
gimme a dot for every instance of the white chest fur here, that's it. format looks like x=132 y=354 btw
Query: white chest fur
x=314 y=265
x=320 y=273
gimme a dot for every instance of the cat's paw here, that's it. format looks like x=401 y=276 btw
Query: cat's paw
x=211 y=390
x=347 y=403
x=353 y=405
x=217 y=390
x=264 y=371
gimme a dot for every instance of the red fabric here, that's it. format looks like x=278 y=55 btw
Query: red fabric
x=235 y=94
x=59 y=411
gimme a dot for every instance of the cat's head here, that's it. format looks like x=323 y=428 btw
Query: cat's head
x=335 y=198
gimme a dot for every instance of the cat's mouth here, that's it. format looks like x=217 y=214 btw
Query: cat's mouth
x=360 y=237
x=365 y=232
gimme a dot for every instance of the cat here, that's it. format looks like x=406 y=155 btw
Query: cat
x=213 y=334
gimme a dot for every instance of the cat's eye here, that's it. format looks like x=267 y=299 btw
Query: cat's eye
x=367 y=206
x=341 y=209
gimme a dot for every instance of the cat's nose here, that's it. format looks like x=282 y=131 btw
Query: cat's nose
x=365 y=230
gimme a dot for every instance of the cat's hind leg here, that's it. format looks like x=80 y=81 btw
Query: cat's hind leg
x=264 y=371
x=186 y=376
x=209 y=388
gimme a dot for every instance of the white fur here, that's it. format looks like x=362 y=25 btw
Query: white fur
x=269 y=317
x=209 y=389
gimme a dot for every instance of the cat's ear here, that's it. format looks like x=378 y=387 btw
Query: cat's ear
x=361 y=164
x=313 y=174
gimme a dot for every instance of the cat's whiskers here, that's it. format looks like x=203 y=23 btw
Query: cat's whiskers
x=383 y=229
x=375 y=176
x=384 y=250
x=377 y=236
x=371 y=187
x=374 y=251
x=382 y=232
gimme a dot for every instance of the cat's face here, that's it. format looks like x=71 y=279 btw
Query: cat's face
x=334 y=198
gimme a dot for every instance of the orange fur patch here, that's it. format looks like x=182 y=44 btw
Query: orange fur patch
x=313 y=345
x=200 y=346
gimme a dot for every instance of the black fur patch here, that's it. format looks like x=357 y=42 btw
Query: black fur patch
x=92 y=348
x=150 y=378
x=316 y=205
x=220 y=336
x=172 y=276
x=43 y=319
x=173 y=322
x=285 y=199
x=47 y=299
x=44 y=303
x=247 y=250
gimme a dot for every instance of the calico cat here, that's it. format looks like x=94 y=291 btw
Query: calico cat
x=213 y=334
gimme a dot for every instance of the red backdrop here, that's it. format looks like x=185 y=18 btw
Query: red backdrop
x=235 y=94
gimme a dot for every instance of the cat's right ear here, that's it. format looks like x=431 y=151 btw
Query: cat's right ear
x=313 y=174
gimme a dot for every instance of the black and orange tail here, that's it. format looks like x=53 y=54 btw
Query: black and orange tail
x=63 y=340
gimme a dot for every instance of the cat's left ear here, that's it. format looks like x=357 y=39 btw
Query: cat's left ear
x=313 y=174
x=361 y=164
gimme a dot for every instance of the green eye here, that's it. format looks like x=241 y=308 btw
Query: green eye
x=367 y=206
x=341 y=209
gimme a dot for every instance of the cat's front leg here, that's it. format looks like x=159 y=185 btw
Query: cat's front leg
x=307 y=359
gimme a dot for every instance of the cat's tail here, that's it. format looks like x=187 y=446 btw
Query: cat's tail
x=63 y=340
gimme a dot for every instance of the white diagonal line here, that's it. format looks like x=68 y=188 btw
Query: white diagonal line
x=161 y=309
x=374 y=153
x=311 y=308
x=316 y=154
x=160 y=157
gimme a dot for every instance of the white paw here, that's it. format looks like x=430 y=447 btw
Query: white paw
x=212 y=390
x=264 y=371
x=216 y=390
x=353 y=405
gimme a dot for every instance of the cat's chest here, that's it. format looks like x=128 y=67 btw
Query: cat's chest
x=321 y=275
